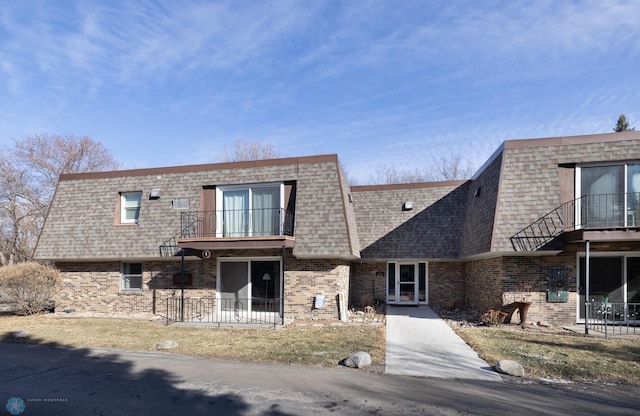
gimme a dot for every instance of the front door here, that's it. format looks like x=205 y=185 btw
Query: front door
x=403 y=283
x=407 y=284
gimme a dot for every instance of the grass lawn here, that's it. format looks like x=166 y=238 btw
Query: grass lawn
x=543 y=355
x=559 y=356
x=304 y=344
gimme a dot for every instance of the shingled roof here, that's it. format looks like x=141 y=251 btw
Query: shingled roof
x=80 y=225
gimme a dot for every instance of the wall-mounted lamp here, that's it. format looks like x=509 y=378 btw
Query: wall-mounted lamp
x=407 y=206
x=155 y=194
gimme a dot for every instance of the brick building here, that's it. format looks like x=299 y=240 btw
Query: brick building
x=289 y=238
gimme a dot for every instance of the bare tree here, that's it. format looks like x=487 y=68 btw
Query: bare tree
x=345 y=168
x=386 y=174
x=29 y=174
x=20 y=210
x=243 y=150
x=48 y=157
x=450 y=168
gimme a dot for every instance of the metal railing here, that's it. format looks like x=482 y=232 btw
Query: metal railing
x=224 y=310
x=170 y=247
x=237 y=223
x=601 y=211
x=614 y=318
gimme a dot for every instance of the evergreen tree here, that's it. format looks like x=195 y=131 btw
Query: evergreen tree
x=622 y=125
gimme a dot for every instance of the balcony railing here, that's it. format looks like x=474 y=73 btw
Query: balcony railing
x=601 y=211
x=237 y=223
x=224 y=311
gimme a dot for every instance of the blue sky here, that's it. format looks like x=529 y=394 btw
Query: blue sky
x=378 y=82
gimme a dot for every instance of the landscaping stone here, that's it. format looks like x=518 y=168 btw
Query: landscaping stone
x=358 y=360
x=166 y=345
x=510 y=367
x=21 y=334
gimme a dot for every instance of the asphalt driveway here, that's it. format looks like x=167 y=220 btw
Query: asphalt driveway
x=55 y=380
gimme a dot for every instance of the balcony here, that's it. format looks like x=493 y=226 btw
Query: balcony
x=607 y=214
x=245 y=228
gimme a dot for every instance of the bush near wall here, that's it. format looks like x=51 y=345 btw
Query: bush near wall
x=30 y=286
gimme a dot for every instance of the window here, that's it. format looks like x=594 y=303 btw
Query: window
x=130 y=207
x=131 y=276
x=609 y=195
x=255 y=210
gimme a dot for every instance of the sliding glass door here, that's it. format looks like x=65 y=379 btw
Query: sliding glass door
x=609 y=195
x=236 y=213
x=613 y=280
x=249 y=288
x=253 y=211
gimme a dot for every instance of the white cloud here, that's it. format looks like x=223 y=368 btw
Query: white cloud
x=351 y=77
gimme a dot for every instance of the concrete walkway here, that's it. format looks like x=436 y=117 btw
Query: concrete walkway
x=421 y=344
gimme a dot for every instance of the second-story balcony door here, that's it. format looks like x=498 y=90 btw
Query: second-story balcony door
x=609 y=196
x=265 y=211
x=236 y=213
x=252 y=212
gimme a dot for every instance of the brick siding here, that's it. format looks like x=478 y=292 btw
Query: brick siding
x=95 y=287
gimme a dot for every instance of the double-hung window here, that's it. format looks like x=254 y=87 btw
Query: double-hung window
x=130 y=207
x=609 y=195
x=131 y=276
x=250 y=211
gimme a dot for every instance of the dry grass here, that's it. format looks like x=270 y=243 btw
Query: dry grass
x=303 y=344
x=543 y=355
x=559 y=356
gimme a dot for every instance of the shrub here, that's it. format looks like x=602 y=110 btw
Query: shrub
x=493 y=318
x=30 y=286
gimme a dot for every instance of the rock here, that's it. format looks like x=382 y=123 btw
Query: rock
x=510 y=367
x=166 y=345
x=358 y=360
x=68 y=310
x=21 y=334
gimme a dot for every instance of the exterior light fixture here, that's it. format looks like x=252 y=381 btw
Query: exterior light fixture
x=155 y=194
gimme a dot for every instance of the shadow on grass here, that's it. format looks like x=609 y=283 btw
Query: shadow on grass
x=55 y=379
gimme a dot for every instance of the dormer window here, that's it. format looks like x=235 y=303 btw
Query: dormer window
x=130 y=207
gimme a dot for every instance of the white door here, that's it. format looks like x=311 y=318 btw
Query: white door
x=402 y=284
